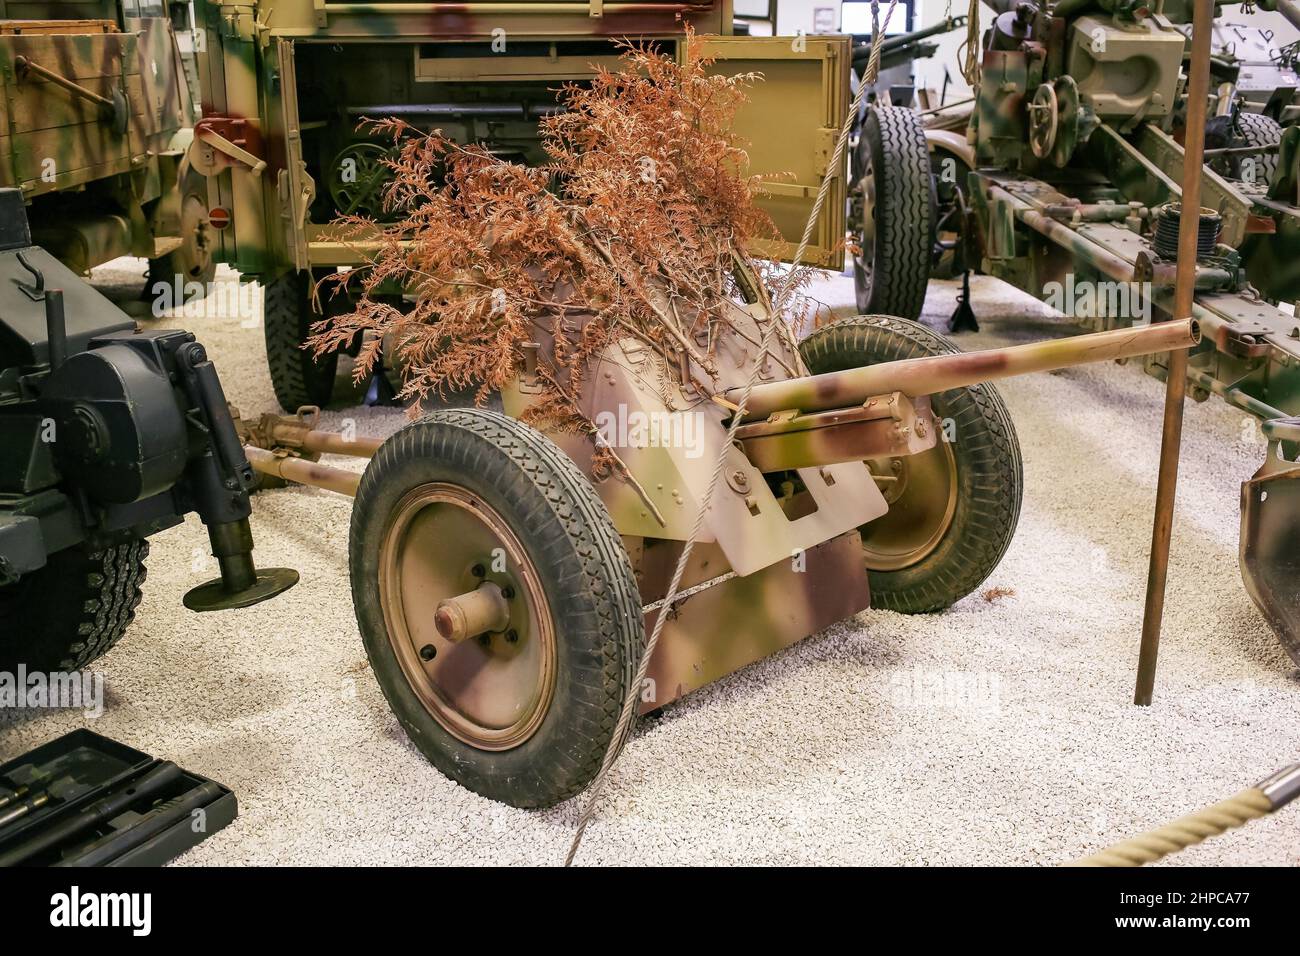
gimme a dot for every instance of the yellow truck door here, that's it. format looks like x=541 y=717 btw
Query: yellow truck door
x=789 y=127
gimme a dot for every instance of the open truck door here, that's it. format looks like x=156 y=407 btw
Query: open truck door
x=789 y=126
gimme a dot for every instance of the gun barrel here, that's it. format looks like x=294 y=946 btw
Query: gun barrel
x=938 y=373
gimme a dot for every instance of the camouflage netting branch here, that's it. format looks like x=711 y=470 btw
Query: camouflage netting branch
x=1251 y=804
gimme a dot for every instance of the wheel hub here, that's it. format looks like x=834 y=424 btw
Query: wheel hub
x=921 y=491
x=197 y=244
x=467 y=617
x=866 y=203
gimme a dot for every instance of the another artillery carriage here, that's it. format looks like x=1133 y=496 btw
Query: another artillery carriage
x=1068 y=178
x=108 y=435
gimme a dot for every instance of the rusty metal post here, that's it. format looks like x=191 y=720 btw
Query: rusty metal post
x=1198 y=92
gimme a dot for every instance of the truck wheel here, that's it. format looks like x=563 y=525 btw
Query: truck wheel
x=297 y=376
x=192 y=262
x=514 y=688
x=893 y=213
x=1259 y=130
x=953 y=509
x=70 y=612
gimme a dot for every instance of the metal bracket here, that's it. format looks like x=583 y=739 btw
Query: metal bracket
x=237 y=153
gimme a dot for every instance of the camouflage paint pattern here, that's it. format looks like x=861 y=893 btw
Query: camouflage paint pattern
x=93 y=175
x=779 y=555
x=1127 y=156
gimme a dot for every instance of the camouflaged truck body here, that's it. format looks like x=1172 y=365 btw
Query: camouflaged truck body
x=285 y=84
x=94 y=123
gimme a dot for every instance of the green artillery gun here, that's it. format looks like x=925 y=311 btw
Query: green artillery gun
x=504 y=578
x=107 y=436
x=1067 y=183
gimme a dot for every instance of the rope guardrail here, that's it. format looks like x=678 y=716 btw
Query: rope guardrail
x=1252 y=803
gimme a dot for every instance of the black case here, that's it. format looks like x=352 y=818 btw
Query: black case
x=81 y=768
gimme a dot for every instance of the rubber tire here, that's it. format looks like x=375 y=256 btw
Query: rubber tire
x=297 y=376
x=180 y=262
x=990 y=478
x=894 y=138
x=585 y=572
x=72 y=611
x=1260 y=130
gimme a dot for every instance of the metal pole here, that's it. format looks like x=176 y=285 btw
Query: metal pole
x=1198 y=92
x=303 y=472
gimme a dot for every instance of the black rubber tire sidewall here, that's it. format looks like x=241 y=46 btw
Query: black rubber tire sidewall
x=1260 y=130
x=297 y=376
x=904 y=213
x=585 y=572
x=68 y=614
x=987 y=454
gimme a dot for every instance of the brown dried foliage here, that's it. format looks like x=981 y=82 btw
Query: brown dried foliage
x=633 y=227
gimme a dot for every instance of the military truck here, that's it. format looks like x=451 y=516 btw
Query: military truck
x=107 y=436
x=286 y=85
x=97 y=116
x=1066 y=183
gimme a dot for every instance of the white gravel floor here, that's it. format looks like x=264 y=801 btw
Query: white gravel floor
x=843 y=749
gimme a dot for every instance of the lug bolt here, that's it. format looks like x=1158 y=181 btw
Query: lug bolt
x=428 y=652
x=512 y=636
x=478 y=571
x=485 y=639
x=508 y=593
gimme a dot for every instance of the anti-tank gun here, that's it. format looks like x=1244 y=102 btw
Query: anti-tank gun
x=504 y=578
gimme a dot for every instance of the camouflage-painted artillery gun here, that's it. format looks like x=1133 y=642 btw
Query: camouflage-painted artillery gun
x=504 y=579
x=96 y=114
x=1066 y=184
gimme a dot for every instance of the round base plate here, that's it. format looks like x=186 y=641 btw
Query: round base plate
x=213 y=595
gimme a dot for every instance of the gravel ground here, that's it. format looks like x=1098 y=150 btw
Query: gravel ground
x=998 y=732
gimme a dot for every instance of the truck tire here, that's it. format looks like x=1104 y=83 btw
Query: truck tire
x=953 y=509
x=70 y=612
x=298 y=377
x=466 y=499
x=1260 y=130
x=192 y=264
x=894 y=212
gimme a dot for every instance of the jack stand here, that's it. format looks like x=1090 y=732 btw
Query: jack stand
x=963 y=318
x=241 y=583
